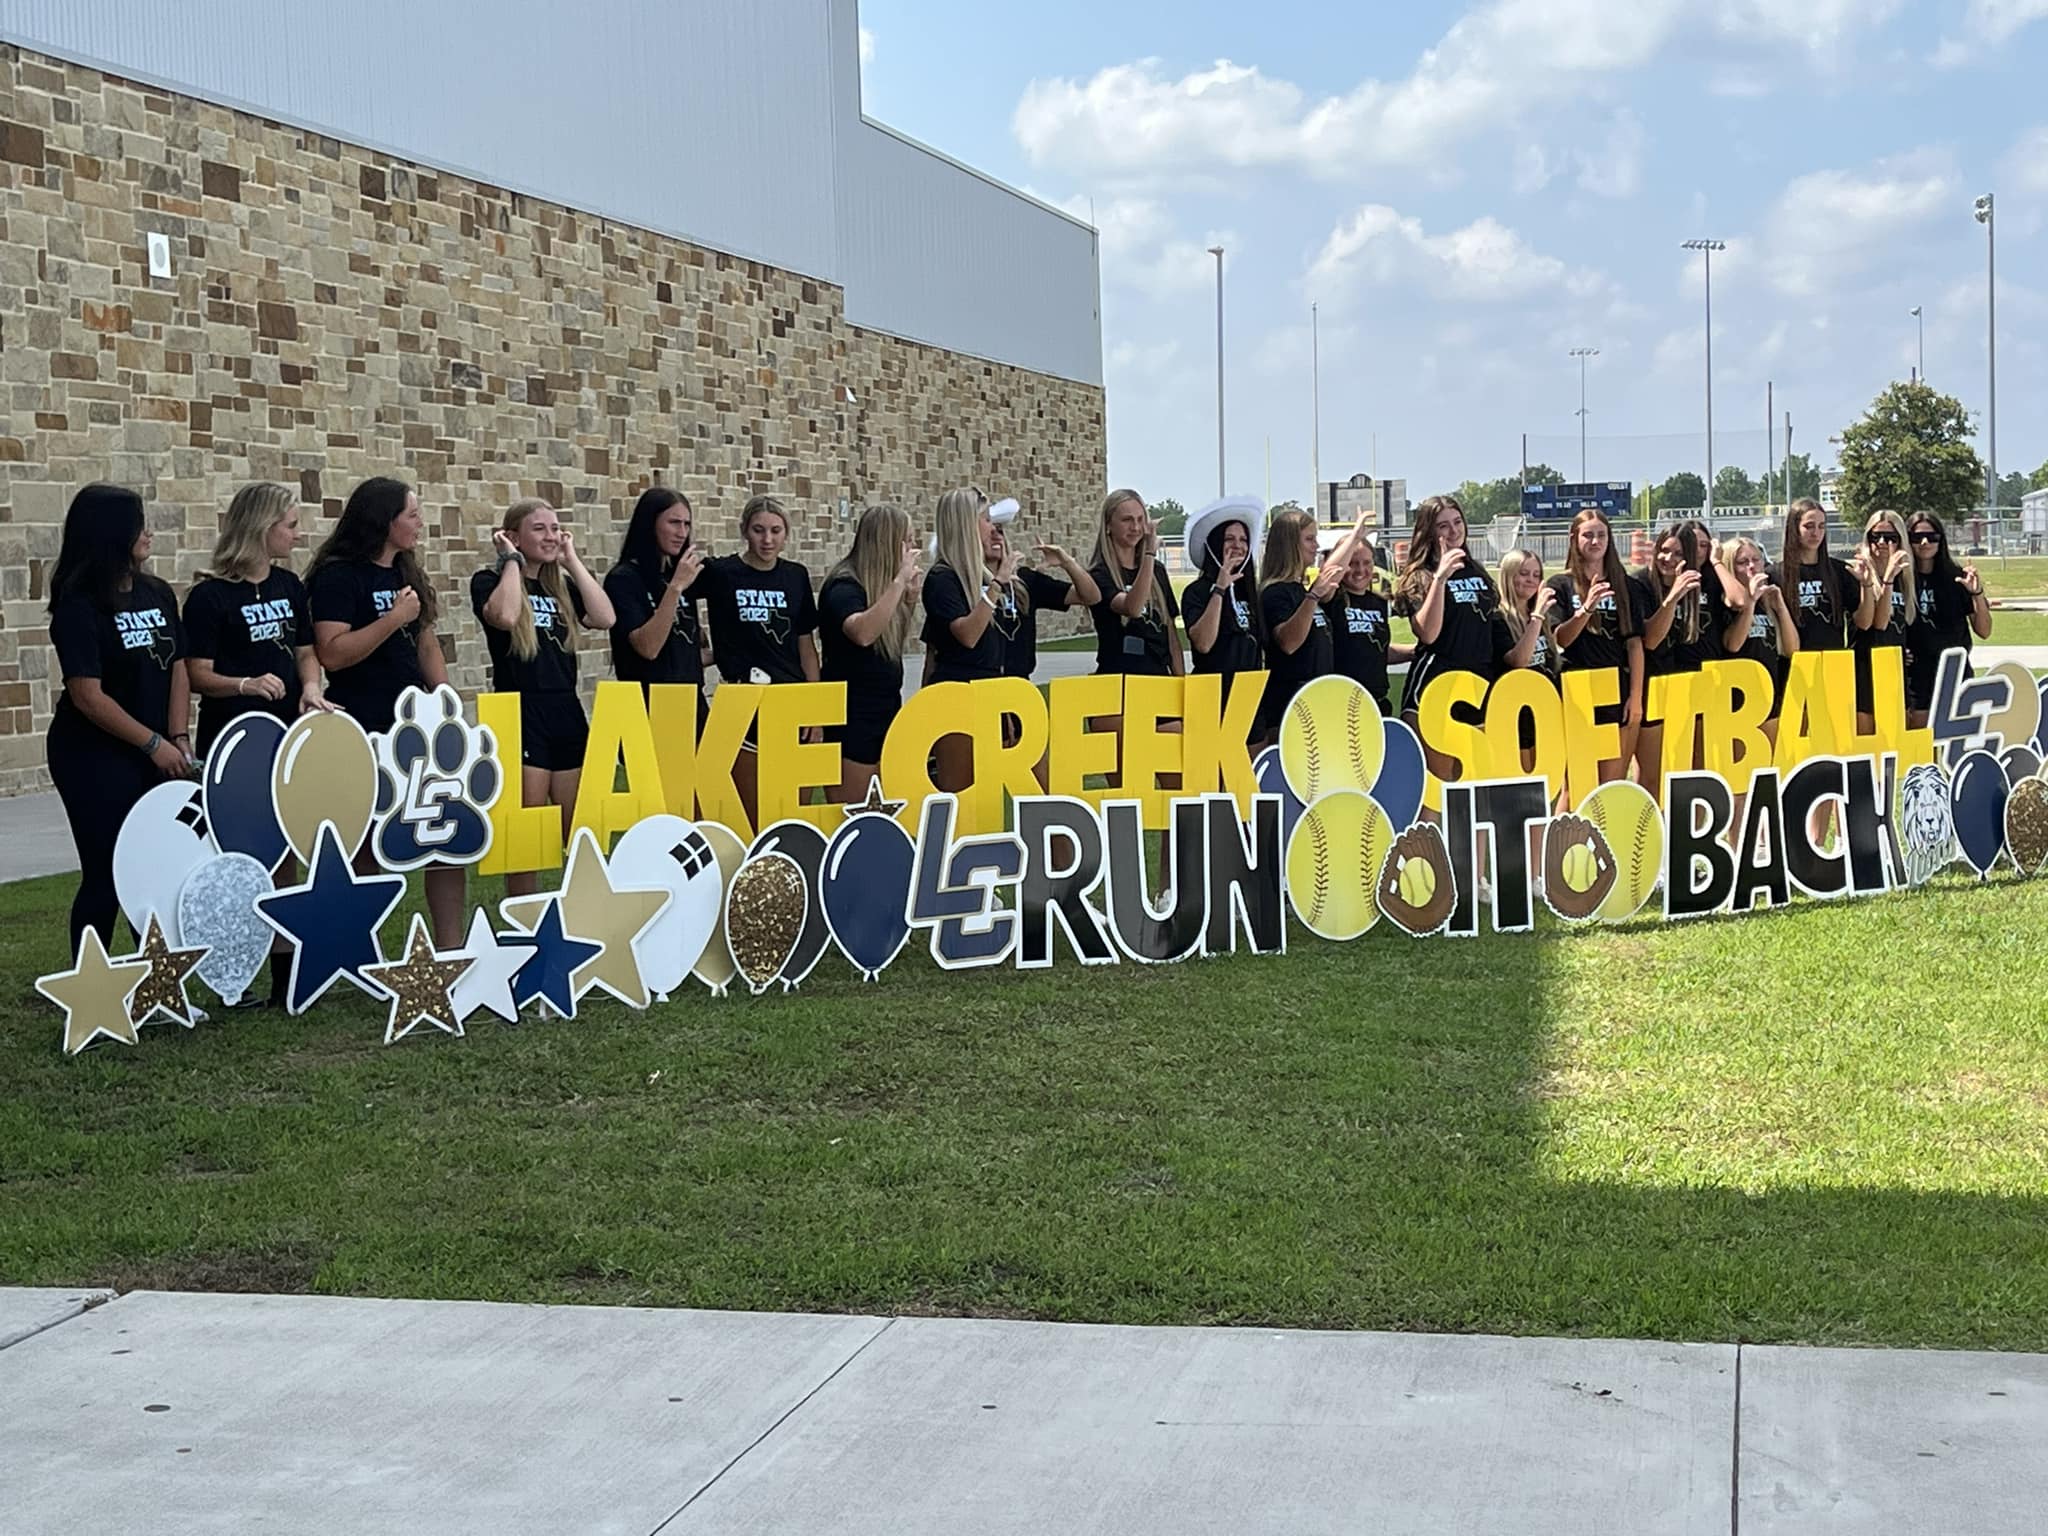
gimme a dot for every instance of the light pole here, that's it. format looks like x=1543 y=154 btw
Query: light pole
x=1920 y=374
x=1217 y=252
x=1706 y=248
x=1315 y=438
x=1582 y=353
x=1984 y=212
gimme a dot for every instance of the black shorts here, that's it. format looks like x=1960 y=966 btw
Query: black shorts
x=553 y=731
x=1920 y=679
x=860 y=740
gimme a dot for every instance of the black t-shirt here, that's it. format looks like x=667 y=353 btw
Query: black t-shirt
x=1291 y=671
x=634 y=596
x=1359 y=636
x=1544 y=658
x=357 y=593
x=1713 y=603
x=1020 y=650
x=553 y=668
x=947 y=599
x=1137 y=644
x=1889 y=630
x=1601 y=643
x=1676 y=653
x=1943 y=624
x=757 y=617
x=1827 y=599
x=1466 y=638
x=1236 y=647
x=248 y=629
x=130 y=649
x=874 y=683
x=1761 y=643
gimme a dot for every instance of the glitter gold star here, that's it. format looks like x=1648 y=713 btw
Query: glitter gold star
x=163 y=989
x=597 y=912
x=94 y=995
x=419 y=985
x=875 y=804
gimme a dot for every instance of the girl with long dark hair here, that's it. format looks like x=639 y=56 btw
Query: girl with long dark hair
x=763 y=620
x=1671 y=635
x=656 y=636
x=1950 y=607
x=248 y=631
x=864 y=613
x=528 y=602
x=1827 y=597
x=373 y=628
x=119 y=727
x=1454 y=607
x=1221 y=605
x=1604 y=610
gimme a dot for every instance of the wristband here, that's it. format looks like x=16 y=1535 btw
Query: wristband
x=508 y=557
x=182 y=736
x=241 y=687
x=149 y=747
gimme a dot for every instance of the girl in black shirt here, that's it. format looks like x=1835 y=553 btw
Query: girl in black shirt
x=762 y=619
x=864 y=614
x=1886 y=571
x=1221 y=605
x=1454 y=608
x=528 y=603
x=1135 y=630
x=1526 y=605
x=1671 y=636
x=1361 y=627
x=972 y=604
x=1297 y=631
x=1041 y=592
x=373 y=630
x=1603 y=610
x=1830 y=599
x=119 y=725
x=656 y=637
x=1755 y=623
x=248 y=631
x=1950 y=606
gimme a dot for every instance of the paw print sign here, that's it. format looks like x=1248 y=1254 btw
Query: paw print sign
x=437 y=776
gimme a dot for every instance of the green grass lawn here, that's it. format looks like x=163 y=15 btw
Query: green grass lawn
x=1824 y=1125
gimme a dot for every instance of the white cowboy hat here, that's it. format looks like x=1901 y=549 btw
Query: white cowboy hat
x=1000 y=512
x=1249 y=510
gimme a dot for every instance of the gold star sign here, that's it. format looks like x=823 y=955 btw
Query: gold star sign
x=419 y=985
x=876 y=804
x=163 y=989
x=597 y=912
x=94 y=995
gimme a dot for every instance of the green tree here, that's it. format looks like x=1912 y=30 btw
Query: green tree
x=1911 y=451
x=1804 y=476
x=2010 y=489
x=1684 y=491
x=2039 y=480
x=1734 y=488
x=1173 y=517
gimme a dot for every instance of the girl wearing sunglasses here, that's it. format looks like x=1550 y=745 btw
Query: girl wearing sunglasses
x=1949 y=607
x=1886 y=571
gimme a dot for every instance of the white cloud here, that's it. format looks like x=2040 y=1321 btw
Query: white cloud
x=1988 y=24
x=1134 y=119
x=1616 y=168
x=2026 y=168
x=1828 y=225
x=1142 y=247
x=867 y=45
x=1485 y=261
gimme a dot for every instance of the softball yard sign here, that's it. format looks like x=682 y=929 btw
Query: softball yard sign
x=1340 y=827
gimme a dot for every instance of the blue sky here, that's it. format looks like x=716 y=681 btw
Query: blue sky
x=1470 y=192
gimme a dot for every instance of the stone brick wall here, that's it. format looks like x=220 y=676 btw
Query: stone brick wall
x=332 y=314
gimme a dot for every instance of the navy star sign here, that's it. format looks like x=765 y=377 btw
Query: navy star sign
x=332 y=922
x=549 y=974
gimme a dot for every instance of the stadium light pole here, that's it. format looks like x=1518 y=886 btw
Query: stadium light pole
x=1217 y=252
x=1920 y=374
x=1706 y=248
x=1984 y=213
x=1315 y=430
x=1582 y=353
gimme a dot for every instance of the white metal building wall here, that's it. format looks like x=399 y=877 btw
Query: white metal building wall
x=730 y=123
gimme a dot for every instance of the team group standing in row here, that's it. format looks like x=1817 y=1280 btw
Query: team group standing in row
x=360 y=627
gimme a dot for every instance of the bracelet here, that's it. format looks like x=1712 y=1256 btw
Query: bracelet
x=182 y=736
x=241 y=687
x=149 y=747
x=508 y=557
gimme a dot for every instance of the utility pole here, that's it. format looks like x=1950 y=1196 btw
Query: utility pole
x=1582 y=353
x=1217 y=252
x=1706 y=248
x=1315 y=450
x=1985 y=212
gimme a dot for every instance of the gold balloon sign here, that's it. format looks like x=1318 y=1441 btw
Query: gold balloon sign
x=326 y=771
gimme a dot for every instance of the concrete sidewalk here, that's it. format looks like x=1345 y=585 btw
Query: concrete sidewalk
x=187 y=1413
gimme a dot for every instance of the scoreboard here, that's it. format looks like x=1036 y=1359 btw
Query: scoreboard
x=1554 y=502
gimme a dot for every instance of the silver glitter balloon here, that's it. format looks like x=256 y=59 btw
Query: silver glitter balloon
x=217 y=908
